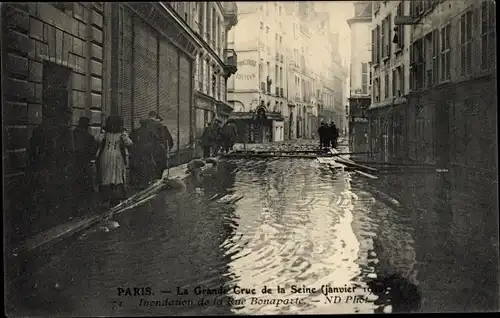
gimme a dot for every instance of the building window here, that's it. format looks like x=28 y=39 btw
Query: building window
x=267 y=29
x=374 y=57
x=200 y=18
x=218 y=40
x=276 y=78
x=208 y=77
x=386 y=85
x=395 y=81
x=401 y=80
x=261 y=72
x=488 y=35
x=199 y=70
x=204 y=70
x=445 y=53
x=401 y=28
x=435 y=58
x=215 y=85
x=382 y=38
x=388 y=35
x=209 y=23
x=214 y=28
x=466 y=28
x=377 y=44
x=376 y=90
x=428 y=59
x=364 y=78
x=281 y=80
x=370 y=70
x=262 y=25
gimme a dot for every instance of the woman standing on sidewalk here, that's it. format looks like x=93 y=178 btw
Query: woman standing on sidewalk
x=112 y=160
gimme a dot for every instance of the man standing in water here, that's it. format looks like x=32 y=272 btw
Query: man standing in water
x=167 y=143
x=322 y=135
x=333 y=133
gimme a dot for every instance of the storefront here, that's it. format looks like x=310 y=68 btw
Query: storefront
x=156 y=72
x=259 y=126
x=358 y=124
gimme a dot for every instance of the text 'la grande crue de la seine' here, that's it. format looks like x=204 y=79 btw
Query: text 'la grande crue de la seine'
x=240 y=296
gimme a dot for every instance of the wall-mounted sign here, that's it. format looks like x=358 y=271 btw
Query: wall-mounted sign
x=247 y=62
x=245 y=77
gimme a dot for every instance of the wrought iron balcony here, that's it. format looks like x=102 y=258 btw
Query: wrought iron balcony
x=230 y=12
x=230 y=62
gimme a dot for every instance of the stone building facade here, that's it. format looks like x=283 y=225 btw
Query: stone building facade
x=448 y=115
x=98 y=59
x=52 y=54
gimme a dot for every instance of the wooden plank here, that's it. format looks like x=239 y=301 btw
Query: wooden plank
x=366 y=174
x=257 y=155
x=351 y=163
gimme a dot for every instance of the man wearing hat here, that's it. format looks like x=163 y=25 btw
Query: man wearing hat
x=85 y=149
x=165 y=144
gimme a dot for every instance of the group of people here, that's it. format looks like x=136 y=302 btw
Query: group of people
x=328 y=135
x=97 y=161
x=58 y=153
x=217 y=137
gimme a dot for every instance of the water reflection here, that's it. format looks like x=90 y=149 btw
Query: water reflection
x=407 y=242
x=172 y=241
x=453 y=224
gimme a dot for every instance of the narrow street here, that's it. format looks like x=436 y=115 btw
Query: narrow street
x=298 y=223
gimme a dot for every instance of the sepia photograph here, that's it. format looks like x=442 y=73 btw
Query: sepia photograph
x=213 y=158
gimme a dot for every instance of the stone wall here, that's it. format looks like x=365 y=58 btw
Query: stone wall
x=68 y=34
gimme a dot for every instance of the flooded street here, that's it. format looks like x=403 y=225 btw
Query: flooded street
x=298 y=225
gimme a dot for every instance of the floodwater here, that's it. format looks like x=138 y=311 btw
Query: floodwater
x=402 y=241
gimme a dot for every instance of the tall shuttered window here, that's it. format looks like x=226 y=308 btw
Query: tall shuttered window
x=400 y=28
x=364 y=78
x=445 y=53
x=466 y=29
x=488 y=35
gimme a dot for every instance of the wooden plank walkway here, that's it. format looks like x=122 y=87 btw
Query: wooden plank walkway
x=268 y=155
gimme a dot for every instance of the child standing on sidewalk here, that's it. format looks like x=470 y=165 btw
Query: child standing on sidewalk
x=112 y=160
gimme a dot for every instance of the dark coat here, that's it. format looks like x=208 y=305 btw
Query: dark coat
x=209 y=136
x=229 y=133
x=85 y=144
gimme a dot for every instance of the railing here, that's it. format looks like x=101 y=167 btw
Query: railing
x=230 y=57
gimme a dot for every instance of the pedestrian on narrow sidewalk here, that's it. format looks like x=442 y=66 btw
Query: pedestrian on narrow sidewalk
x=86 y=147
x=112 y=160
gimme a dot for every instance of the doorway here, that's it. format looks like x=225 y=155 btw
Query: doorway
x=56 y=95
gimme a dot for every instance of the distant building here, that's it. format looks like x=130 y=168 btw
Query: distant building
x=390 y=72
x=257 y=92
x=360 y=76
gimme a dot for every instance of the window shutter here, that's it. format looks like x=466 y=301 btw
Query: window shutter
x=127 y=74
x=145 y=66
x=373 y=47
x=168 y=87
